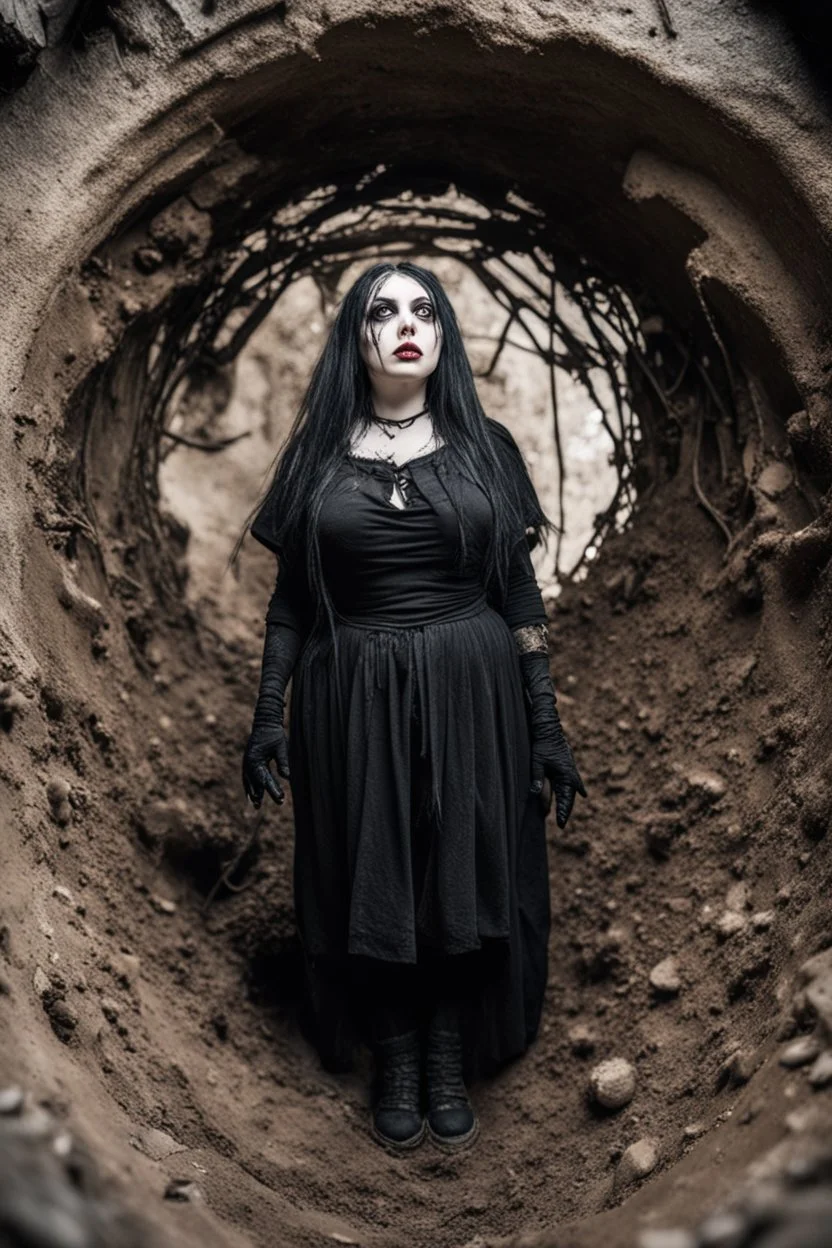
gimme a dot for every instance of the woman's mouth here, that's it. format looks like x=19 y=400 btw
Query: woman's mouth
x=408 y=351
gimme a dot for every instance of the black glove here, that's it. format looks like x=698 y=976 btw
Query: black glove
x=551 y=755
x=268 y=738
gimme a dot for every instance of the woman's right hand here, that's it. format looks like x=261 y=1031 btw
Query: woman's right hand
x=261 y=748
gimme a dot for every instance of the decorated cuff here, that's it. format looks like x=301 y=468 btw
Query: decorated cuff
x=532 y=638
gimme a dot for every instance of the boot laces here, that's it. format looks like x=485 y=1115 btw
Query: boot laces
x=446 y=1087
x=400 y=1082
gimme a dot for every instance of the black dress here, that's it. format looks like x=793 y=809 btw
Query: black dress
x=410 y=756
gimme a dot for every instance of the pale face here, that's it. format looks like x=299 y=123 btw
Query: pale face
x=401 y=313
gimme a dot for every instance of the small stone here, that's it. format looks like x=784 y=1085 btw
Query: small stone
x=163 y=904
x=664 y=978
x=148 y=259
x=800 y=1052
x=763 y=920
x=729 y=923
x=58 y=791
x=156 y=1144
x=816 y=974
x=639 y=1160
x=210 y=720
x=63 y=894
x=110 y=1009
x=708 y=783
x=11 y=1102
x=42 y=982
x=738 y=897
x=613 y=1083
x=774 y=479
x=581 y=1040
x=721 y=1230
x=671 y=1238
x=821 y=1073
x=737 y=1069
x=183 y=1190
x=63 y=1018
x=165 y=723
x=694 y=1130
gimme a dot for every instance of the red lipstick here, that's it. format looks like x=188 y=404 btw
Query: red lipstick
x=408 y=351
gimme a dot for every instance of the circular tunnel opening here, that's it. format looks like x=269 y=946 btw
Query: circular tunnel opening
x=682 y=612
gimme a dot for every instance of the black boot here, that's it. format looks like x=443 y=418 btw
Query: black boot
x=397 y=1116
x=452 y=1122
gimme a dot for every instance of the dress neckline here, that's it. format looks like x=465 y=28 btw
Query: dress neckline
x=415 y=459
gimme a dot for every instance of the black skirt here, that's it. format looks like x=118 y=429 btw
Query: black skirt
x=414 y=827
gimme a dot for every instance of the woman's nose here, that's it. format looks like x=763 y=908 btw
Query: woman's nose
x=406 y=326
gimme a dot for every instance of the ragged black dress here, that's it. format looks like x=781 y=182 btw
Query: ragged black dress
x=414 y=826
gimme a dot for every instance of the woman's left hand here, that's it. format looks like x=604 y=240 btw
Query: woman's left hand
x=552 y=757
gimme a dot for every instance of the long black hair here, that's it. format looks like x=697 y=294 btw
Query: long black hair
x=339 y=399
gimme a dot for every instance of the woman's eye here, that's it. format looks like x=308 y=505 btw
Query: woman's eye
x=379 y=312
x=425 y=310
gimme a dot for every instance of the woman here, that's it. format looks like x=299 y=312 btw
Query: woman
x=423 y=723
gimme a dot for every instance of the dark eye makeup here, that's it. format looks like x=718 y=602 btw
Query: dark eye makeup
x=379 y=310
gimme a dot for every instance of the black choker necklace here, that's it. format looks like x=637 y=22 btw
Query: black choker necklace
x=384 y=422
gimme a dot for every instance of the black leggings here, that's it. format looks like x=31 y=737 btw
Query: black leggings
x=395 y=997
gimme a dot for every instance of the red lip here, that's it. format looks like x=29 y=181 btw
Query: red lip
x=408 y=348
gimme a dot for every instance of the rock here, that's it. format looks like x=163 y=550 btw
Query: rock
x=148 y=259
x=674 y=1238
x=12 y=704
x=816 y=974
x=721 y=1230
x=156 y=1144
x=63 y=1018
x=664 y=978
x=639 y=1160
x=694 y=1129
x=163 y=904
x=737 y=1069
x=58 y=793
x=63 y=894
x=183 y=1189
x=774 y=479
x=738 y=897
x=581 y=1040
x=708 y=784
x=42 y=982
x=729 y=923
x=820 y=1076
x=110 y=1009
x=11 y=1102
x=613 y=1083
x=800 y=1052
x=763 y=920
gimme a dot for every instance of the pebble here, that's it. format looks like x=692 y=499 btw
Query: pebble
x=183 y=1189
x=613 y=1083
x=664 y=977
x=671 y=1238
x=762 y=920
x=817 y=975
x=63 y=894
x=639 y=1160
x=800 y=1052
x=820 y=1076
x=41 y=981
x=729 y=923
x=110 y=1009
x=721 y=1230
x=694 y=1129
x=11 y=1101
x=163 y=905
x=709 y=783
x=156 y=1144
x=581 y=1040
x=737 y=1069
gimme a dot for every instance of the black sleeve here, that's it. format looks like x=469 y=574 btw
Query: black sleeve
x=291 y=602
x=524 y=601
